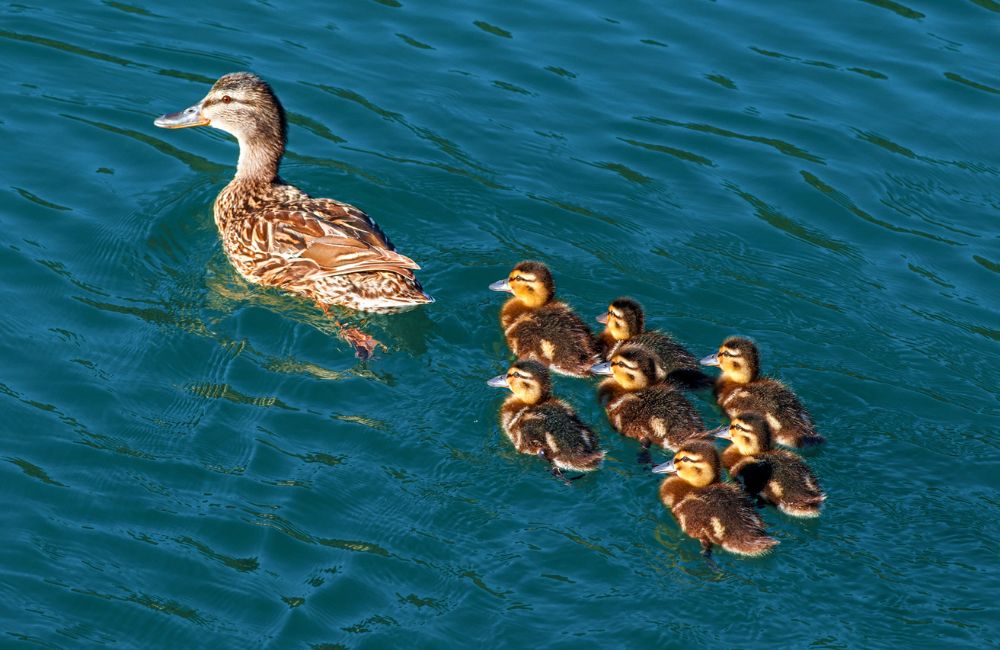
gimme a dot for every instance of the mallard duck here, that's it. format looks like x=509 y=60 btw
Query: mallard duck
x=712 y=512
x=277 y=235
x=625 y=321
x=539 y=327
x=740 y=388
x=538 y=423
x=775 y=476
x=638 y=408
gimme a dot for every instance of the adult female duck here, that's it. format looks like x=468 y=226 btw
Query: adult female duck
x=277 y=235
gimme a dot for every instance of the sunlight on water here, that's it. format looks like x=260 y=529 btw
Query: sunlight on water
x=192 y=460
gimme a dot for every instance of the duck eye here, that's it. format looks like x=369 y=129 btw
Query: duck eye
x=226 y=99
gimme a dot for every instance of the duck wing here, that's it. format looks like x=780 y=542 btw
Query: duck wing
x=337 y=237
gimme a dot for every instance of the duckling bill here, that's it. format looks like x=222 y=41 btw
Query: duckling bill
x=276 y=235
x=539 y=327
x=537 y=423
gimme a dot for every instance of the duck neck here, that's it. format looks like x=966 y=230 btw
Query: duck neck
x=259 y=159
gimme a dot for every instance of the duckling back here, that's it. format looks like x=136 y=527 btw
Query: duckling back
x=790 y=422
x=553 y=335
x=659 y=414
x=783 y=479
x=721 y=514
x=675 y=364
x=554 y=428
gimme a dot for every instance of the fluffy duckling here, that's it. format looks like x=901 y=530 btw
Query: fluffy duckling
x=277 y=235
x=625 y=322
x=639 y=408
x=712 y=512
x=775 y=476
x=539 y=327
x=740 y=388
x=538 y=423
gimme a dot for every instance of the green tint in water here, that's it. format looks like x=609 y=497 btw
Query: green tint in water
x=192 y=461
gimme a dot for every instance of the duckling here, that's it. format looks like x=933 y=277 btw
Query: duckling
x=741 y=388
x=774 y=476
x=639 y=408
x=708 y=510
x=625 y=321
x=276 y=235
x=538 y=423
x=539 y=327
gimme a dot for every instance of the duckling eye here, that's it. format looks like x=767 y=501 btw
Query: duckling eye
x=226 y=99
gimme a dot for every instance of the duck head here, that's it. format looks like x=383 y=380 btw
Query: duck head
x=624 y=319
x=242 y=104
x=696 y=462
x=738 y=359
x=531 y=282
x=633 y=367
x=528 y=380
x=749 y=432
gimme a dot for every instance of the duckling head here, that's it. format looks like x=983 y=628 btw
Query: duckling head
x=531 y=282
x=633 y=367
x=749 y=432
x=624 y=319
x=528 y=380
x=242 y=104
x=737 y=358
x=697 y=462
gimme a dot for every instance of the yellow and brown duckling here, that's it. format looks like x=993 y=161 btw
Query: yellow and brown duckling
x=625 y=322
x=712 y=512
x=775 y=476
x=539 y=327
x=276 y=235
x=741 y=388
x=538 y=423
x=639 y=408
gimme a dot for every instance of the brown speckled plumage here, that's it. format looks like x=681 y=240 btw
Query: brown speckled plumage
x=539 y=327
x=712 y=512
x=276 y=235
x=656 y=414
x=776 y=476
x=538 y=423
x=742 y=389
x=674 y=363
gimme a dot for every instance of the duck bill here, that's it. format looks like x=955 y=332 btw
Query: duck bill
x=721 y=432
x=501 y=285
x=500 y=381
x=603 y=368
x=666 y=468
x=603 y=318
x=710 y=360
x=190 y=116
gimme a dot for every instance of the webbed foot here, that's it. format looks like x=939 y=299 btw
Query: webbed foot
x=364 y=345
x=643 y=457
x=706 y=552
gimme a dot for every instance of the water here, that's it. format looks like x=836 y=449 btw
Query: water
x=195 y=462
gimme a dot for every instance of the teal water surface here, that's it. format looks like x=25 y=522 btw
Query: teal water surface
x=192 y=461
